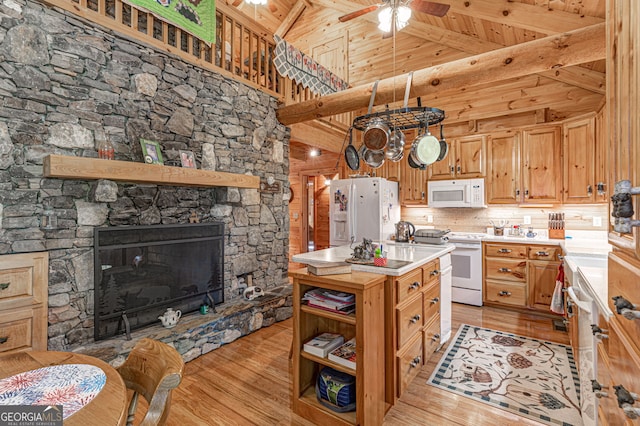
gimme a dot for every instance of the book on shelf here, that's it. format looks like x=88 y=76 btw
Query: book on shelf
x=329 y=268
x=345 y=354
x=346 y=310
x=318 y=298
x=323 y=343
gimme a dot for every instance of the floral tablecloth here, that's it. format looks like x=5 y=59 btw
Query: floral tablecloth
x=70 y=385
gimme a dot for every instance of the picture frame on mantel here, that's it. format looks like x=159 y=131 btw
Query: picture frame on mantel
x=187 y=159
x=151 y=152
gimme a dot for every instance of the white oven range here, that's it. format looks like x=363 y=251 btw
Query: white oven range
x=466 y=263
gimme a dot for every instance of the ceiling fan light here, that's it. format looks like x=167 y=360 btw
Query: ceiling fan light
x=257 y=2
x=384 y=17
x=403 y=14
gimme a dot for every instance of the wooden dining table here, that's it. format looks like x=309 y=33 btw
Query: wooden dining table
x=109 y=407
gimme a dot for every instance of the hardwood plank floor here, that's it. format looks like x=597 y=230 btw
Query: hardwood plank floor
x=248 y=382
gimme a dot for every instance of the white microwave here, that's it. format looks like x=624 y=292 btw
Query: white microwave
x=456 y=193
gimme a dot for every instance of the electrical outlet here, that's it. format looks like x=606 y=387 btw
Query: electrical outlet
x=597 y=221
x=429 y=218
x=527 y=220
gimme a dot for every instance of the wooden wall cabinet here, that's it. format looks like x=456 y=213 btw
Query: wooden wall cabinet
x=541 y=165
x=579 y=153
x=503 y=168
x=465 y=159
x=24 y=280
x=413 y=183
x=366 y=325
x=524 y=166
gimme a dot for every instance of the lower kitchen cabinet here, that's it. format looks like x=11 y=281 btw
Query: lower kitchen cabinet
x=520 y=275
x=366 y=325
x=413 y=311
x=23 y=302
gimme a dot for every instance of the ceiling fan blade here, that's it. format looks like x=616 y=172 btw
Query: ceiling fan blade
x=429 y=7
x=350 y=16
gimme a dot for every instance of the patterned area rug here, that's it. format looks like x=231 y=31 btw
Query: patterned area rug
x=529 y=377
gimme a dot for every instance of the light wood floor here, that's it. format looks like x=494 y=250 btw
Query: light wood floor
x=247 y=382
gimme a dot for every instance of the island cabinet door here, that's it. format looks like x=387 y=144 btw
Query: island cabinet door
x=542 y=283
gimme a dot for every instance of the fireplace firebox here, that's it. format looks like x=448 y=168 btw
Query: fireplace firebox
x=140 y=271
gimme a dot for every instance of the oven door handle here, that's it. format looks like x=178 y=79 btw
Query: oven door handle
x=581 y=305
x=468 y=245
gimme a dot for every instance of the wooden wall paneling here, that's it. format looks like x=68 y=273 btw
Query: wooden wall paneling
x=602 y=158
x=503 y=168
x=542 y=165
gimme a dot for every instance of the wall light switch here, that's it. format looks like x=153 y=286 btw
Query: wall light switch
x=429 y=218
x=597 y=221
x=527 y=220
x=296 y=215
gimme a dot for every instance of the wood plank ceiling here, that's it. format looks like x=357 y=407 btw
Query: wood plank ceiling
x=470 y=27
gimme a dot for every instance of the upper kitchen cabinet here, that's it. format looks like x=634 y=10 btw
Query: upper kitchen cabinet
x=503 y=168
x=465 y=159
x=413 y=183
x=585 y=156
x=541 y=165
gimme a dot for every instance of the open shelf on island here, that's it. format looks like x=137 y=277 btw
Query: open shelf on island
x=68 y=167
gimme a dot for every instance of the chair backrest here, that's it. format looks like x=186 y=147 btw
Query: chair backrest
x=152 y=369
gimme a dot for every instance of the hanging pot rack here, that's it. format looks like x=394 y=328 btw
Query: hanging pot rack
x=402 y=118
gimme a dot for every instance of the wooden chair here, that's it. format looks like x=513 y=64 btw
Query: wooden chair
x=152 y=369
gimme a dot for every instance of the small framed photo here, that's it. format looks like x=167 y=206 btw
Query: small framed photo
x=187 y=159
x=151 y=152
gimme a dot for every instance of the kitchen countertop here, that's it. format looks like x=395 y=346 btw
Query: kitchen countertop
x=583 y=242
x=417 y=254
x=592 y=270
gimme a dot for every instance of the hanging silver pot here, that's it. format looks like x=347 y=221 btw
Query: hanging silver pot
x=376 y=135
x=373 y=159
x=444 y=146
x=395 y=148
x=427 y=149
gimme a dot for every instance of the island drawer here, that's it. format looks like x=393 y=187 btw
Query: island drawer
x=431 y=272
x=431 y=302
x=409 y=362
x=410 y=320
x=514 y=251
x=408 y=285
x=511 y=293
x=431 y=338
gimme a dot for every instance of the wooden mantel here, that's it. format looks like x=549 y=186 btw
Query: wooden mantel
x=66 y=167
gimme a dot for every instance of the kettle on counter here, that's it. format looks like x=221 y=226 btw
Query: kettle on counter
x=404 y=231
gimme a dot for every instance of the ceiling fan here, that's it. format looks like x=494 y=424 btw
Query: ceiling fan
x=395 y=7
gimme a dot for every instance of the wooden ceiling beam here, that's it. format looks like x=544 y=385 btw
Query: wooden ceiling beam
x=317 y=135
x=531 y=17
x=291 y=18
x=548 y=53
x=578 y=76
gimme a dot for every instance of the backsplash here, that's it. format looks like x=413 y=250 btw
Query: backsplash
x=577 y=217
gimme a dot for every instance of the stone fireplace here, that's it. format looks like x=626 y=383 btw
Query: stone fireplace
x=67 y=86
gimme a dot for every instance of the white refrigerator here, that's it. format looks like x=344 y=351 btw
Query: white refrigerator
x=362 y=208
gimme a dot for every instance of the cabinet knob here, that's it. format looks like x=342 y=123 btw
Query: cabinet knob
x=504 y=293
x=598 y=332
x=542 y=253
x=435 y=337
x=415 y=362
x=517 y=192
x=504 y=270
x=526 y=193
x=598 y=389
x=414 y=285
x=626 y=400
x=504 y=250
x=626 y=308
x=459 y=169
x=434 y=272
x=435 y=300
x=452 y=170
x=414 y=319
x=4 y=339
x=589 y=190
x=570 y=306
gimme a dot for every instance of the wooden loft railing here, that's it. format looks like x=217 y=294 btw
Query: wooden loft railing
x=247 y=47
x=238 y=40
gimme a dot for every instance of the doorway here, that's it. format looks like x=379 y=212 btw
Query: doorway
x=315 y=209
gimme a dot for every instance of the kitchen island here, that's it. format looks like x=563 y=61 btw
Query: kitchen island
x=402 y=313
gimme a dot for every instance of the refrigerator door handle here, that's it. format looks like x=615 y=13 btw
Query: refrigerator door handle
x=352 y=212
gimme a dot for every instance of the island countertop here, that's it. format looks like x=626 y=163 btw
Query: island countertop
x=416 y=254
